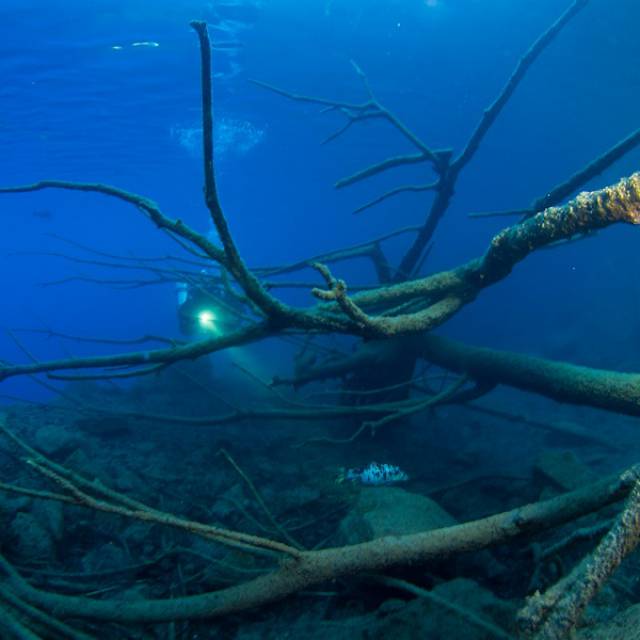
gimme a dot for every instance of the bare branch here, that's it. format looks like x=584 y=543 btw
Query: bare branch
x=148 y=514
x=582 y=177
x=99 y=340
x=145 y=205
x=144 y=358
x=441 y=295
x=372 y=108
x=509 y=213
x=333 y=104
x=524 y=64
x=449 y=178
x=201 y=264
x=379 y=167
x=347 y=253
x=578 y=180
x=409 y=188
x=113 y=375
x=259 y=499
x=314 y=567
x=233 y=260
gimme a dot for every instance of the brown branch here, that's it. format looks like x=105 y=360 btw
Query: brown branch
x=233 y=260
x=12 y=627
x=143 y=358
x=35 y=493
x=147 y=514
x=610 y=390
x=523 y=66
x=423 y=320
x=316 y=567
x=125 y=264
x=449 y=177
x=260 y=500
x=50 y=333
x=509 y=213
x=442 y=294
x=408 y=410
x=337 y=291
x=409 y=188
x=145 y=205
x=433 y=300
x=309 y=412
x=351 y=120
x=563 y=428
x=112 y=375
x=117 y=284
x=446 y=292
x=297 y=97
x=578 y=180
x=47 y=622
x=369 y=249
x=599 y=388
x=367 y=110
x=582 y=177
x=201 y=264
x=363 y=111
x=379 y=167
x=468 y=615
x=553 y=617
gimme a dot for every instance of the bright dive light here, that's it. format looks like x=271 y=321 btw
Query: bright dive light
x=207 y=320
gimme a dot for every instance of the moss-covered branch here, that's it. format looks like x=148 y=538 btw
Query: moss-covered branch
x=316 y=567
x=438 y=296
x=445 y=293
x=598 y=388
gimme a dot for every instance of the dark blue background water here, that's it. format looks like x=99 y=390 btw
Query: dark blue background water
x=73 y=107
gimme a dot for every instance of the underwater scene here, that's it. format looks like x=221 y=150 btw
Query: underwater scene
x=320 y=319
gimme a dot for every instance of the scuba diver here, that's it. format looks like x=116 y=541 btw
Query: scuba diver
x=205 y=308
x=208 y=308
x=206 y=303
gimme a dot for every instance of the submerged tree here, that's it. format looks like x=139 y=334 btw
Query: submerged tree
x=393 y=319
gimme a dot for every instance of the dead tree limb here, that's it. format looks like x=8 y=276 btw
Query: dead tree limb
x=577 y=181
x=447 y=292
x=446 y=169
x=449 y=179
x=442 y=294
x=315 y=567
x=599 y=388
x=554 y=615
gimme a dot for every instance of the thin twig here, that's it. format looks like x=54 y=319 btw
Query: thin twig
x=260 y=500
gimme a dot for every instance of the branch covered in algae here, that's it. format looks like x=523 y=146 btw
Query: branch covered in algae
x=440 y=295
x=598 y=388
x=446 y=293
x=553 y=615
x=306 y=568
